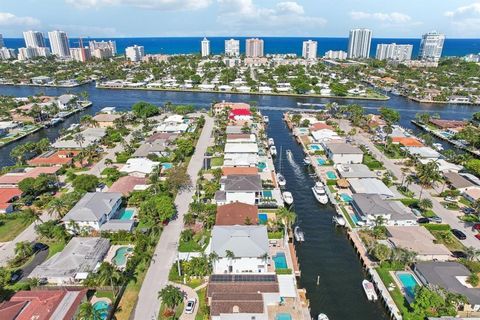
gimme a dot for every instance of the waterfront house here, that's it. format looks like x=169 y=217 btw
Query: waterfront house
x=343 y=153
x=418 y=240
x=354 y=170
x=221 y=106
x=95 y=210
x=126 y=184
x=240 y=114
x=407 y=142
x=66 y=101
x=370 y=186
x=54 y=158
x=15 y=176
x=157 y=147
x=7 y=197
x=325 y=135
x=60 y=303
x=249 y=245
x=227 y=171
x=458 y=182
x=448 y=124
x=236 y=213
x=423 y=152
x=139 y=167
x=241 y=154
x=320 y=126
x=233 y=130
x=451 y=276
x=41 y=80
x=91 y=136
x=241 y=138
x=241 y=188
x=370 y=206
x=443 y=165
x=74 y=263
x=472 y=194
x=106 y=120
x=173 y=124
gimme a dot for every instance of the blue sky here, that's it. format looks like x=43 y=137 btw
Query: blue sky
x=319 y=18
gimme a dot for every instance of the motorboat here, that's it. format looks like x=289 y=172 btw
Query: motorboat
x=298 y=234
x=281 y=180
x=319 y=192
x=273 y=151
x=289 y=153
x=55 y=121
x=287 y=197
x=339 y=220
x=437 y=146
x=307 y=161
x=271 y=142
x=73 y=126
x=266 y=119
x=369 y=290
x=322 y=316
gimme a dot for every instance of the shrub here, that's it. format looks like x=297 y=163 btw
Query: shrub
x=283 y=271
x=437 y=227
x=473 y=279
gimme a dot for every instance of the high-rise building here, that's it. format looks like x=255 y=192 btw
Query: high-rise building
x=393 y=51
x=309 y=49
x=6 y=54
x=102 y=49
x=431 y=46
x=254 y=48
x=34 y=39
x=80 y=54
x=59 y=43
x=232 y=48
x=27 y=53
x=135 y=53
x=359 y=42
x=336 y=55
x=1 y=41
x=205 y=47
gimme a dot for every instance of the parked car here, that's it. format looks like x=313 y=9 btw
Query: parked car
x=190 y=307
x=423 y=220
x=477 y=236
x=450 y=199
x=468 y=210
x=435 y=219
x=416 y=212
x=459 y=254
x=39 y=247
x=476 y=226
x=459 y=234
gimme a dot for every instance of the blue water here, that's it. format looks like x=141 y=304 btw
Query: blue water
x=125 y=214
x=283 y=316
x=345 y=197
x=315 y=147
x=331 y=175
x=267 y=193
x=120 y=258
x=102 y=307
x=321 y=161
x=280 y=260
x=452 y=47
x=167 y=165
x=262 y=218
x=261 y=166
x=408 y=282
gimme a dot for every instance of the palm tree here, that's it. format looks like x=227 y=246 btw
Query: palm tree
x=108 y=162
x=379 y=221
x=230 y=256
x=57 y=207
x=286 y=216
x=425 y=204
x=427 y=174
x=471 y=253
x=88 y=312
x=171 y=296
x=30 y=215
x=23 y=249
x=107 y=274
x=80 y=139
x=264 y=257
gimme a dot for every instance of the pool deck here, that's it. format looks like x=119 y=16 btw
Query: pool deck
x=111 y=252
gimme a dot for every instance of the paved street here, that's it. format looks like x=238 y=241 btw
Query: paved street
x=448 y=216
x=156 y=278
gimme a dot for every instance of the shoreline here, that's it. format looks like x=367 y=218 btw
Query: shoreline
x=46 y=85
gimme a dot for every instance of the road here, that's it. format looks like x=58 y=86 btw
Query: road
x=448 y=216
x=156 y=278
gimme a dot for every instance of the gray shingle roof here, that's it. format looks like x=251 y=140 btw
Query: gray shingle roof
x=150 y=147
x=93 y=206
x=373 y=204
x=243 y=241
x=243 y=183
x=343 y=148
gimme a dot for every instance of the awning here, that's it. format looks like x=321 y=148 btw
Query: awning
x=286 y=285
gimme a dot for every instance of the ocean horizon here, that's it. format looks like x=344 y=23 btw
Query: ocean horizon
x=272 y=45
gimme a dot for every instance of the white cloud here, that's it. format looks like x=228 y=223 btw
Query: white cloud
x=472 y=9
x=393 y=17
x=145 y=4
x=465 y=20
x=9 y=19
x=243 y=17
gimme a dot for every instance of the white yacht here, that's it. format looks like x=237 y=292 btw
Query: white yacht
x=339 y=221
x=322 y=316
x=437 y=146
x=369 y=290
x=281 y=180
x=273 y=151
x=266 y=119
x=287 y=197
x=319 y=193
x=298 y=233
x=307 y=161
x=271 y=142
x=289 y=154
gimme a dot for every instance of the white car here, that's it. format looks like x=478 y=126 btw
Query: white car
x=190 y=306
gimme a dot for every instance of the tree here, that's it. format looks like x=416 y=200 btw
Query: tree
x=157 y=209
x=391 y=116
x=286 y=216
x=144 y=109
x=88 y=312
x=178 y=179
x=85 y=183
x=425 y=204
x=434 y=302
x=80 y=139
x=87 y=120
x=5 y=277
x=23 y=249
x=296 y=118
x=471 y=253
x=230 y=256
x=381 y=252
x=57 y=207
x=184 y=148
x=427 y=174
x=473 y=279
x=171 y=296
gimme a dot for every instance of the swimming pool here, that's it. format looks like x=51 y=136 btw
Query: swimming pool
x=267 y=193
x=262 y=218
x=120 y=258
x=102 y=307
x=345 y=197
x=125 y=214
x=331 y=175
x=280 y=261
x=321 y=161
x=315 y=147
x=167 y=165
x=261 y=166
x=283 y=316
x=408 y=282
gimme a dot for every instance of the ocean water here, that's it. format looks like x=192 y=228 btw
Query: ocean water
x=183 y=45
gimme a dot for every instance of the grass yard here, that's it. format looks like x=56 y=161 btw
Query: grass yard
x=347 y=216
x=217 y=162
x=130 y=296
x=372 y=163
x=203 y=312
x=54 y=247
x=178 y=312
x=448 y=239
x=11 y=227
x=396 y=294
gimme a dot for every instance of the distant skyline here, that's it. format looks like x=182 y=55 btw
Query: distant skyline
x=302 y=18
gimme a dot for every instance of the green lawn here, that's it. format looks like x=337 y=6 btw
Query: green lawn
x=203 y=312
x=178 y=312
x=448 y=239
x=347 y=216
x=396 y=294
x=10 y=228
x=55 y=247
x=189 y=246
x=217 y=162
x=372 y=163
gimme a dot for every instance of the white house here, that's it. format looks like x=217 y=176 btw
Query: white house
x=240 y=249
x=241 y=188
x=139 y=167
x=343 y=153
x=65 y=101
x=241 y=154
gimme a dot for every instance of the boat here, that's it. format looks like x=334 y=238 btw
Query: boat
x=266 y=119
x=74 y=126
x=339 y=221
x=298 y=233
x=289 y=153
x=319 y=193
x=271 y=142
x=437 y=146
x=369 y=290
x=55 y=121
x=287 y=197
x=322 y=316
x=281 y=180
x=307 y=161
x=273 y=151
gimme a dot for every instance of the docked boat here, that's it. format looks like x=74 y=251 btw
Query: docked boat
x=307 y=161
x=437 y=146
x=281 y=180
x=322 y=316
x=273 y=151
x=369 y=290
x=271 y=142
x=266 y=119
x=298 y=234
x=319 y=193
x=55 y=121
x=339 y=221
x=287 y=197
x=73 y=126
x=289 y=153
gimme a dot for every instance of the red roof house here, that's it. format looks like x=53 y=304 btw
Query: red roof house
x=240 y=114
x=12 y=178
x=7 y=196
x=54 y=158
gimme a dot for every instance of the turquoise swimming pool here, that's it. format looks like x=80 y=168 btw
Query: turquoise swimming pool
x=261 y=166
x=262 y=218
x=283 y=316
x=167 y=165
x=321 y=162
x=267 y=193
x=331 y=175
x=125 y=214
x=315 y=147
x=102 y=307
x=280 y=261
x=408 y=282
x=345 y=197
x=120 y=258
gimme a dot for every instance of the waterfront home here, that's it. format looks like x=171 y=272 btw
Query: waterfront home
x=6 y=126
x=265 y=89
x=370 y=206
x=60 y=303
x=354 y=170
x=448 y=124
x=173 y=124
x=423 y=152
x=157 y=147
x=241 y=138
x=320 y=126
x=241 y=188
x=126 y=184
x=443 y=165
x=325 y=135
x=54 y=158
x=91 y=136
x=459 y=182
x=240 y=154
x=370 y=186
x=236 y=213
x=242 y=297
x=66 y=101
x=94 y=211
x=106 y=120
x=15 y=176
x=240 y=114
x=343 y=153
x=233 y=130
x=74 y=263
x=7 y=197
x=451 y=276
x=41 y=80
x=227 y=171
x=221 y=106
x=472 y=194
x=139 y=167
x=418 y=240
x=249 y=245
x=407 y=142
